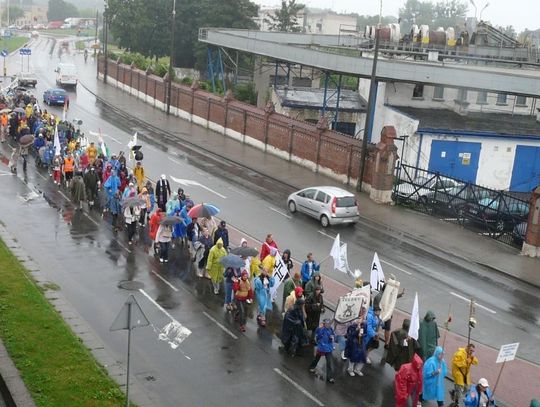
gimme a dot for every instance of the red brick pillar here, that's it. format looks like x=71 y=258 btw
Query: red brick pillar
x=269 y=109
x=382 y=175
x=531 y=246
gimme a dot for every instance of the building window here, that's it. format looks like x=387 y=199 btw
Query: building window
x=462 y=95
x=481 y=98
x=521 y=101
x=438 y=93
x=418 y=92
x=501 y=99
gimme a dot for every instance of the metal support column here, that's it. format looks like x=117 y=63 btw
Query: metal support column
x=338 y=95
x=325 y=103
x=288 y=74
x=275 y=75
x=221 y=71
x=211 y=69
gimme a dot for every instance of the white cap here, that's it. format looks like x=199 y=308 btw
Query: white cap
x=163 y=176
x=483 y=382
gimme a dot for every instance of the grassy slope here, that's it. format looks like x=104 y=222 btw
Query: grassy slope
x=55 y=366
x=11 y=44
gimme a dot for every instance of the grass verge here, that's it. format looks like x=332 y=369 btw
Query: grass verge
x=11 y=44
x=56 y=367
x=70 y=31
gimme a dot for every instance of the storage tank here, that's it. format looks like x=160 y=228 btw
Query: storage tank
x=369 y=32
x=450 y=37
x=414 y=33
x=395 y=33
x=424 y=33
x=437 y=38
x=385 y=34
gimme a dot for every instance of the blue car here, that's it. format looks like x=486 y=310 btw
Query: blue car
x=55 y=96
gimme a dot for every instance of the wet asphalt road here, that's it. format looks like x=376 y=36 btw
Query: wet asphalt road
x=82 y=255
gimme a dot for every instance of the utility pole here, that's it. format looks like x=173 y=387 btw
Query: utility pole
x=171 y=60
x=370 y=113
x=95 y=41
x=105 y=45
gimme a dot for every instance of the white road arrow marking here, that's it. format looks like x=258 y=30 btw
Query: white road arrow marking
x=188 y=182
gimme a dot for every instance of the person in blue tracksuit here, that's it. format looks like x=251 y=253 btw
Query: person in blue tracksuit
x=325 y=338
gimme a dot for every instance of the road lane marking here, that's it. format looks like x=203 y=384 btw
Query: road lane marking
x=189 y=182
x=174 y=161
x=469 y=300
x=236 y=191
x=40 y=175
x=64 y=195
x=174 y=332
x=326 y=234
x=279 y=212
x=298 y=387
x=91 y=219
x=215 y=321
x=396 y=267
x=164 y=280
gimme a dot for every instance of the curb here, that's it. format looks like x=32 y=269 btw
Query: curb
x=79 y=327
x=12 y=388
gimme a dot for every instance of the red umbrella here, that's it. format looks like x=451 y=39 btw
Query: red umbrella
x=203 y=211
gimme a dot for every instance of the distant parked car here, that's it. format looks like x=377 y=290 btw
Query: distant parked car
x=421 y=186
x=490 y=212
x=26 y=79
x=34 y=34
x=329 y=205
x=55 y=96
x=452 y=201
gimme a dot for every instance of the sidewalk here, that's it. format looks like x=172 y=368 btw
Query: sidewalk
x=416 y=227
x=454 y=243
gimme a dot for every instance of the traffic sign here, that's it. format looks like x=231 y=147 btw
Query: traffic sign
x=4 y=53
x=507 y=352
x=25 y=51
x=130 y=316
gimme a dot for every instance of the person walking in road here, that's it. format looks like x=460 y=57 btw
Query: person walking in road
x=138 y=173
x=130 y=191
x=222 y=233
x=69 y=167
x=295 y=295
x=315 y=281
x=269 y=262
x=408 y=382
x=163 y=190
x=371 y=333
x=428 y=335
x=213 y=265
x=4 y=121
x=401 y=348
x=114 y=207
x=267 y=245
x=112 y=184
x=155 y=221
x=242 y=292
x=314 y=309
x=292 y=330
x=462 y=361
x=287 y=259
x=354 y=351
x=131 y=216
x=480 y=395
x=289 y=287
x=308 y=268
x=91 y=153
x=78 y=191
x=434 y=377
x=262 y=285
x=143 y=196
x=91 y=183
x=172 y=205
x=325 y=337
x=163 y=238
x=202 y=249
x=230 y=276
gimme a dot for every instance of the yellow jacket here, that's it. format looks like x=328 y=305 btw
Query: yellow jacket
x=138 y=172
x=268 y=263
x=461 y=367
x=92 y=154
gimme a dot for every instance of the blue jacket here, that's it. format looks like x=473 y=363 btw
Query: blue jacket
x=264 y=301
x=372 y=326
x=114 y=205
x=325 y=339
x=470 y=402
x=434 y=383
x=306 y=272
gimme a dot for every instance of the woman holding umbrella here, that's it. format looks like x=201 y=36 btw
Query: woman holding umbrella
x=233 y=264
x=214 y=267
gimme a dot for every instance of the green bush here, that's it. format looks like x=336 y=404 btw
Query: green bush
x=245 y=92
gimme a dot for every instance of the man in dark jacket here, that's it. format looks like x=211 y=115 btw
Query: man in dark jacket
x=91 y=183
x=428 y=335
x=401 y=347
x=163 y=190
x=314 y=308
x=223 y=234
x=292 y=331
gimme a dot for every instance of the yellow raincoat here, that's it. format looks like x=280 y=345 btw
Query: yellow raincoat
x=461 y=369
x=213 y=266
x=268 y=263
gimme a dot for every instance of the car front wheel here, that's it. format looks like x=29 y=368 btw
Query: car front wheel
x=292 y=207
x=325 y=222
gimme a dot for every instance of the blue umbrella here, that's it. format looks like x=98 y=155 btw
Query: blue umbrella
x=203 y=210
x=232 y=260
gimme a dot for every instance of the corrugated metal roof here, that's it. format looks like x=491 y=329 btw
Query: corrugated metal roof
x=311 y=98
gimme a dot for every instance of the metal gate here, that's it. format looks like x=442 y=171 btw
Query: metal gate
x=497 y=214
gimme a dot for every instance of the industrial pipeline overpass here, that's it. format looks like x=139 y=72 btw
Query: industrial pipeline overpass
x=335 y=54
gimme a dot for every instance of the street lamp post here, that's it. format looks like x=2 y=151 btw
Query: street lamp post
x=475 y=9
x=481 y=11
x=171 y=60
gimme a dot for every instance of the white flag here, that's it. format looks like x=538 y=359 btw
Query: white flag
x=132 y=143
x=280 y=274
x=415 y=319
x=335 y=252
x=376 y=279
x=57 y=147
x=344 y=262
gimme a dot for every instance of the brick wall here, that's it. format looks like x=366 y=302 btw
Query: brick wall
x=324 y=150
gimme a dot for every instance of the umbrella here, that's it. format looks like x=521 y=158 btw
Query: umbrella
x=171 y=220
x=19 y=110
x=232 y=260
x=245 y=251
x=26 y=140
x=5 y=110
x=131 y=202
x=203 y=211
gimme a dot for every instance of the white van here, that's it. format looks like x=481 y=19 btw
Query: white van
x=66 y=75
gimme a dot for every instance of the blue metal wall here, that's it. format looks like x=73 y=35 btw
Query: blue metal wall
x=456 y=159
x=526 y=171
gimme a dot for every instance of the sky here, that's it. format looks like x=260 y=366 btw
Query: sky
x=519 y=13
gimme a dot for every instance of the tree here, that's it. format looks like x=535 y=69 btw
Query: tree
x=509 y=30
x=286 y=18
x=59 y=10
x=449 y=13
x=14 y=14
x=446 y=13
x=366 y=20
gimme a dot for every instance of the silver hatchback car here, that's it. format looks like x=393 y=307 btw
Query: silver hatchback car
x=330 y=205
